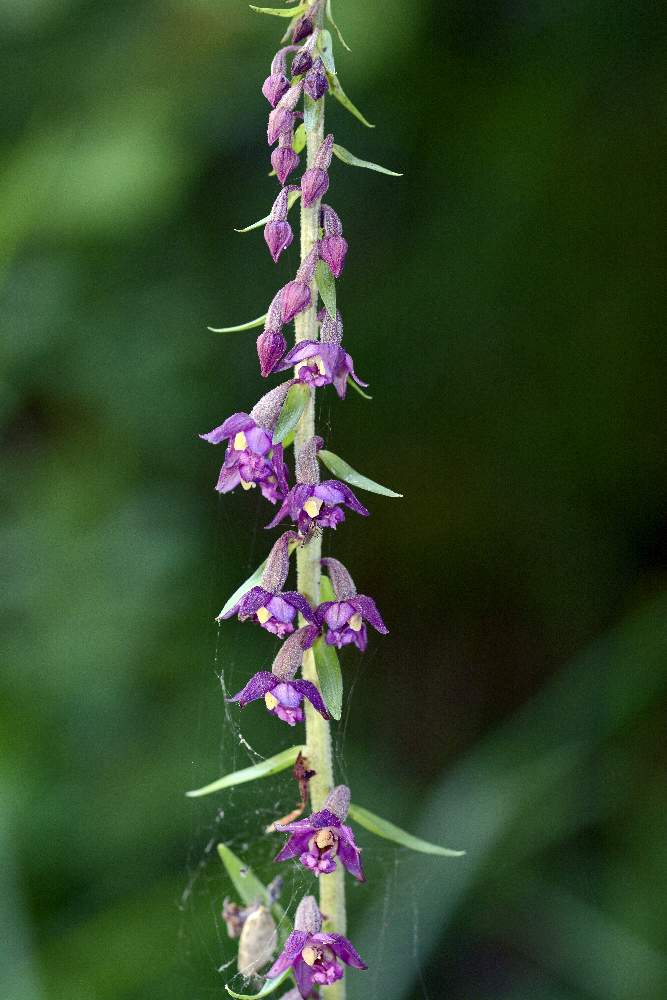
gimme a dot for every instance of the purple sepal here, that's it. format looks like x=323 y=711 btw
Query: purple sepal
x=278 y=236
x=345 y=950
x=320 y=364
x=257 y=687
x=293 y=947
x=302 y=62
x=326 y=514
x=333 y=250
x=344 y=620
x=318 y=840
x=274 y=87
x=314 y=185
x=316 y=83
x=303 y=27
x=271 y=346
x=308 y=690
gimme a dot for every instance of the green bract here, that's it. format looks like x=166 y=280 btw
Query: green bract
x=383 y=828
x=269 y=986
x=293 y=407
x=281 y=11
x=272 y=765
x=329 y=676
x=242 y=326
x=326 y=285
x=343 y=471
x=347 y=157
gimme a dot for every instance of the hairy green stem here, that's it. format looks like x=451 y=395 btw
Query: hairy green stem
x=318 y=735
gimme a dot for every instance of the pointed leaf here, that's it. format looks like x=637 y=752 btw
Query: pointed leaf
x=325 y=45
x=343 y=471
x=357 y=388
x=272 y=765
x=246 y=883
x=347 y=157
x=329 y=677
x=293 y=407
x=383 y=828
x=242 y=326
x=291 y=199
x=252 y=581
x=326 y=589
x=269 y=986
x=326 y=286
x=336 y=28
x=281 y=11
x=340 y=95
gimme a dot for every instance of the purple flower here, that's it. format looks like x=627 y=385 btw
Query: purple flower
x=317 y=363
x=272 y=607
x=295 y=295
x=281 y=119
x=314 y=956
x=276 y=84
x=278 y=232
x=344 y=618
x=315 y=181
x=271 y=346
x=333 y=248
x=303 y=26
x=318 y=840
x=283 y=158
x=303 y=60
x=316 y=83
x=282 y=694
x=312 y=504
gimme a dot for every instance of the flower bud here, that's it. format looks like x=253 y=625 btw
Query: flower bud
x=282 y=117
x=295 y=298
x=303 y=27
x=333 y=250
x=275 y=87
x=278 y=236
x=283 y=159
x=271 y=345
x=308 y=917
x=302 y=61
x=338 y=801
x=316 y=83
x=314 y=185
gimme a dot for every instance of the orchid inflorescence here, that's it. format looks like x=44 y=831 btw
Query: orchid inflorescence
x=309 y=623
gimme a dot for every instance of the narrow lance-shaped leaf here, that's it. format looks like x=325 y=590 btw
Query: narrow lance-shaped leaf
x=252 y=581
x=343 y=471
x=326 y=589
x=383 y=828
x=336 y=28
x=326 y=286
x=347 y=157
x=242 y=326
x=272 y=765
x=357 y=388
x=269 y=987
x=292 y=197
x=325 y=45
x=293 y=407
x=340 y=95
x=299 y=143
x=281 y=11
x=329 y=676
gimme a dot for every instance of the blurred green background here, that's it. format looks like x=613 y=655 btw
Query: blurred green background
x=503 y=300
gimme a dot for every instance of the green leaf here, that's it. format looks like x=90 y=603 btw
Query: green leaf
x=272 y=765
x=269 y=986
x=281 y=11
x=326 y=590
x=246 y=883
x=293 y=407
x=340 y=95
x=291 y=199
x=383 y=828
x=242 y=326
x=298 y=143
x=325 y=45
x=252 y=581
x=329 y=676
x=326 y=285
x=357 y=388
x=336 y=28
x=347 y=157
x=343 y=471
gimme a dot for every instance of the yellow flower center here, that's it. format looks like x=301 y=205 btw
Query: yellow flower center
x=355 y=623
x=312 y=507
x=263 y=615
x=310 y=955
x=240 y=442
x=270 y=701
x=248 y=486
x=325 y=839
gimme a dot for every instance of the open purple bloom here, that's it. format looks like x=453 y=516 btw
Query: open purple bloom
x=314 y=956
x=312 y=504
x=317 y=363
x=344 y=619
x=282 y=694
x=320 y=839
x=272 y=607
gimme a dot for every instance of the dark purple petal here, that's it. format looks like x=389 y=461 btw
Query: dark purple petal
x=368 y=609
x=303 y=27
x=321 y=610
x=228 y=479
x=252 y=601
x=257 y=687
x=295 y=845
x=274 y=87
x=294 y=945
x=309 y=691
x=280 y=515
x=300 y=352
x=345 y=950
x=302 y=62
x=349 y=853
x=232 y=425
x=316 y=83
x=304 y=978
x=280 y=471
x=349 y=498
x=299 y=602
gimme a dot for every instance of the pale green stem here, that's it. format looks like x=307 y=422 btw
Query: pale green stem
x=318 y=735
